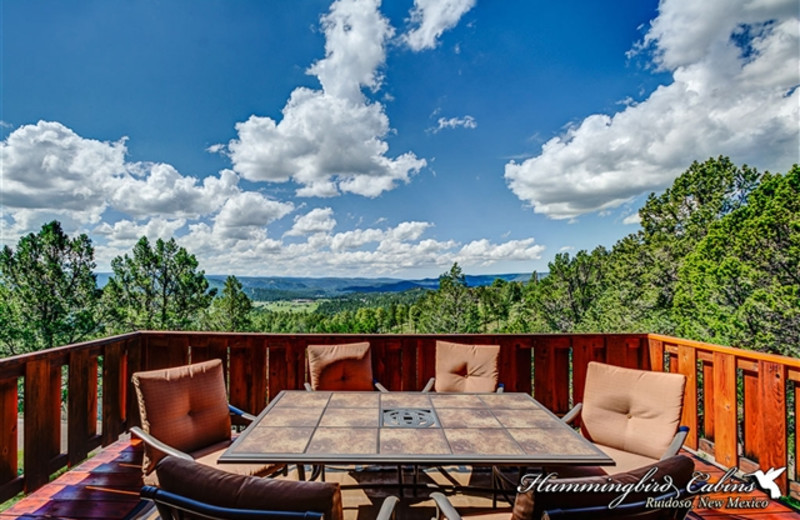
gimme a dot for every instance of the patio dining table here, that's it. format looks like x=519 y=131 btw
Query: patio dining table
x=410 y=428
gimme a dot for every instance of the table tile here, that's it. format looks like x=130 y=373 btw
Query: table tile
x=292 y=417
x=265 y=439
x=555 y=442
x=466 y=418
x=477 y=441
x=354 y=400
x=456 y=401
x=344 y=441
x=350 y=417
x=411 y=441
x=538 y=419
x=510 y=400
x=303 y=400
x=403 y=400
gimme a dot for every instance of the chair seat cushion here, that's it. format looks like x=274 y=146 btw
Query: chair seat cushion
x=466 y=368
x=340 y=367
x=224 y=489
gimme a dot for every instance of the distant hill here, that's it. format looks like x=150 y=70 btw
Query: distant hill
x=272 y=288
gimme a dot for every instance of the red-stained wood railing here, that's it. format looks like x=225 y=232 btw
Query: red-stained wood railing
x=258 y=366
x=737 y=404
x=43 y=377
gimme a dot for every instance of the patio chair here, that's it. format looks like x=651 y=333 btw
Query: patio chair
x=185 y=413
x=632 y=415
x=341 y=367
x=191 y=490
x=465 y=368
x=559 y=503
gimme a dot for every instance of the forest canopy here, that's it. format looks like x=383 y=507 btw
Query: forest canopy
x=717 y=259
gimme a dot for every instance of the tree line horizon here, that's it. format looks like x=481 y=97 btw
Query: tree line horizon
x=717 y=259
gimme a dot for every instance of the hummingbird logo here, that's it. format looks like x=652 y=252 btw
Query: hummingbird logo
x=766 y=481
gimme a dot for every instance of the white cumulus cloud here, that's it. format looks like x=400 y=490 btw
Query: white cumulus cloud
x=735 y=71
x=318 y=220
x=332 y=140
x=431 y=18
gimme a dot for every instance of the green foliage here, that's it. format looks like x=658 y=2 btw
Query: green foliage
x=230 y=311
x=48 y=293
x=453 y=308
x=717 y=259
x=741 y=285
x=156 y=289
x=561 y=300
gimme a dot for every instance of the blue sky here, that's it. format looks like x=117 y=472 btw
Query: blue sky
x=358 y=139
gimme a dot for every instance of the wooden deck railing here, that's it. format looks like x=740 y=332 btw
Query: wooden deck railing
x=741 y=406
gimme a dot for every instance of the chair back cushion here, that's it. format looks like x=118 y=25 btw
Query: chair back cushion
x=185 y=407
x=636 y=411
x=466 y=368
x=533 y=504
x=340 y=367
x=223 y=489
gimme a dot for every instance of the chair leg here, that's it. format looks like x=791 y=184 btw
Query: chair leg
x=400 y=489
x=317 y=471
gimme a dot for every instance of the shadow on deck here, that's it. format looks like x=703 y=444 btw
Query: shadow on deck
x=107 y=487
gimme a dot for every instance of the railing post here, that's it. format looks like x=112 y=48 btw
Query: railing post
x=584 y=349
x=551 y=372
x=113 y=392
x=725 y=410
x=687 y=365
x=772 y=446
x=78 y=407
x=656 y=347
x=42 y=422
x=8 y=432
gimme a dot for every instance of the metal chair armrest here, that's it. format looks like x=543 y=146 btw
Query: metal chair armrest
x=444 y=509
x=429 y=385
x=241 y=413
x=677 y=442
x=387 y=508
x=380 y=387
x=157 y=444
x=573 y=414
x=182 y=503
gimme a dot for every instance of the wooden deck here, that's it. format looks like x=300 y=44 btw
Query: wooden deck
x=107 y=487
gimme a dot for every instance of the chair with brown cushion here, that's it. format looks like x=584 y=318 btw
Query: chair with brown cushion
x=185 y=413
x=206 y=492
x=632 y=415
x=560 y=503
x=341 y=367
x=465 y=368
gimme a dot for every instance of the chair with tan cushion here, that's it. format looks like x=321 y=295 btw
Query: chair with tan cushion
x=185 y=413
x=341 y=367
x=632 y=415
x=465 y=368
x=555 y=500
x=206 y=492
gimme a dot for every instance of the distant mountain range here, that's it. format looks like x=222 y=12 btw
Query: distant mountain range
x=270 y=288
